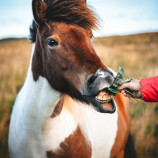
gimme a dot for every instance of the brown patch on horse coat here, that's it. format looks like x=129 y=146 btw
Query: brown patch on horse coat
x=75 y=146
x=123 y=126
x=58 y=108
x=123 y=107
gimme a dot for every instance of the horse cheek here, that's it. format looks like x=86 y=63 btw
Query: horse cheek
x=62 y=63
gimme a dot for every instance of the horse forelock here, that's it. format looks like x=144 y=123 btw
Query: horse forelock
x=71 y=12
x=68 y=11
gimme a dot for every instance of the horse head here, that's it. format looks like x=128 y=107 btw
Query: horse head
x=64 y=54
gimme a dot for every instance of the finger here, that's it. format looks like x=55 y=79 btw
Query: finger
x=123 y=91
x=125 y=94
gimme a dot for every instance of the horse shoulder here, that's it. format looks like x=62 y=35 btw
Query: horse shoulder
x=70 y=145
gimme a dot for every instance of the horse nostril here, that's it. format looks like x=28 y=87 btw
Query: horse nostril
x=91 y=81
x=111 y=73
x=109 y=79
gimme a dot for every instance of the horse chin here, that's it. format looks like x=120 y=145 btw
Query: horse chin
x=102 y=102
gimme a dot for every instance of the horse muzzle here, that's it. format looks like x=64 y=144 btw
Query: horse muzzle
x=94 y=91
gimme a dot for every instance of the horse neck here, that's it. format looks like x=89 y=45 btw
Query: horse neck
x=39 y=95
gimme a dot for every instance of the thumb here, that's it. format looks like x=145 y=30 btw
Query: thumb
x=124 y=85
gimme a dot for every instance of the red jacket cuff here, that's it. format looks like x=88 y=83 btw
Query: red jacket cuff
x=149 y=89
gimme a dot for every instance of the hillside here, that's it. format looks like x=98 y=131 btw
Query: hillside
x=136 y=54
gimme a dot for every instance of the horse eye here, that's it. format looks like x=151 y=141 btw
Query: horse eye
x=52 y=43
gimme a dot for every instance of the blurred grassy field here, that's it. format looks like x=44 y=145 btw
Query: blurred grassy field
x=136 y=54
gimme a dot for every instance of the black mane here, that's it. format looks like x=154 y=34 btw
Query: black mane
x=33 y=31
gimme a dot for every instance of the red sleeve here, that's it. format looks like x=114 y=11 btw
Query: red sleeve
x=149 y=89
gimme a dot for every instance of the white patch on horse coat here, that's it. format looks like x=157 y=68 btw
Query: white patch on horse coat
x=100 y=129
x=34 y=104
x=58 y=129
x=33 y=132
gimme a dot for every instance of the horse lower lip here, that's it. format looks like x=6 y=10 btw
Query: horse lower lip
x=106 y=104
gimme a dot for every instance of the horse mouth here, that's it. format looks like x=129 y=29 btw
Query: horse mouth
x=102 y=102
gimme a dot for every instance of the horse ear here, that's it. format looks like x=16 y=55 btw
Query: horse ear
x=84 y=1
x=39 y=8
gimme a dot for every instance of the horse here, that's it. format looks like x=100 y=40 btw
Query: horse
x=63 y=110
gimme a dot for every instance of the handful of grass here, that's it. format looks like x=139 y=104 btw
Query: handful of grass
x=113 y=90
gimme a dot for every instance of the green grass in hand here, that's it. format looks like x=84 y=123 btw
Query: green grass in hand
x=113 y=90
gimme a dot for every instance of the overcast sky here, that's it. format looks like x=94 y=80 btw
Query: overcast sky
x=119 y=17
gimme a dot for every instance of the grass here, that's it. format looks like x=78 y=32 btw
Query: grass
x=136 y=54
x=14 y=59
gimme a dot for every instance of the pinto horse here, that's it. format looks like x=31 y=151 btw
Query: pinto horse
x=63 y=111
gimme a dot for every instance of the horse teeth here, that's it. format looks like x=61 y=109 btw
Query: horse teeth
x=103 y=100
x=99 y=97
x=103 y=97
x=96 y=97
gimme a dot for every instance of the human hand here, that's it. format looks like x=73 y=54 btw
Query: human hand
x=134 y=86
